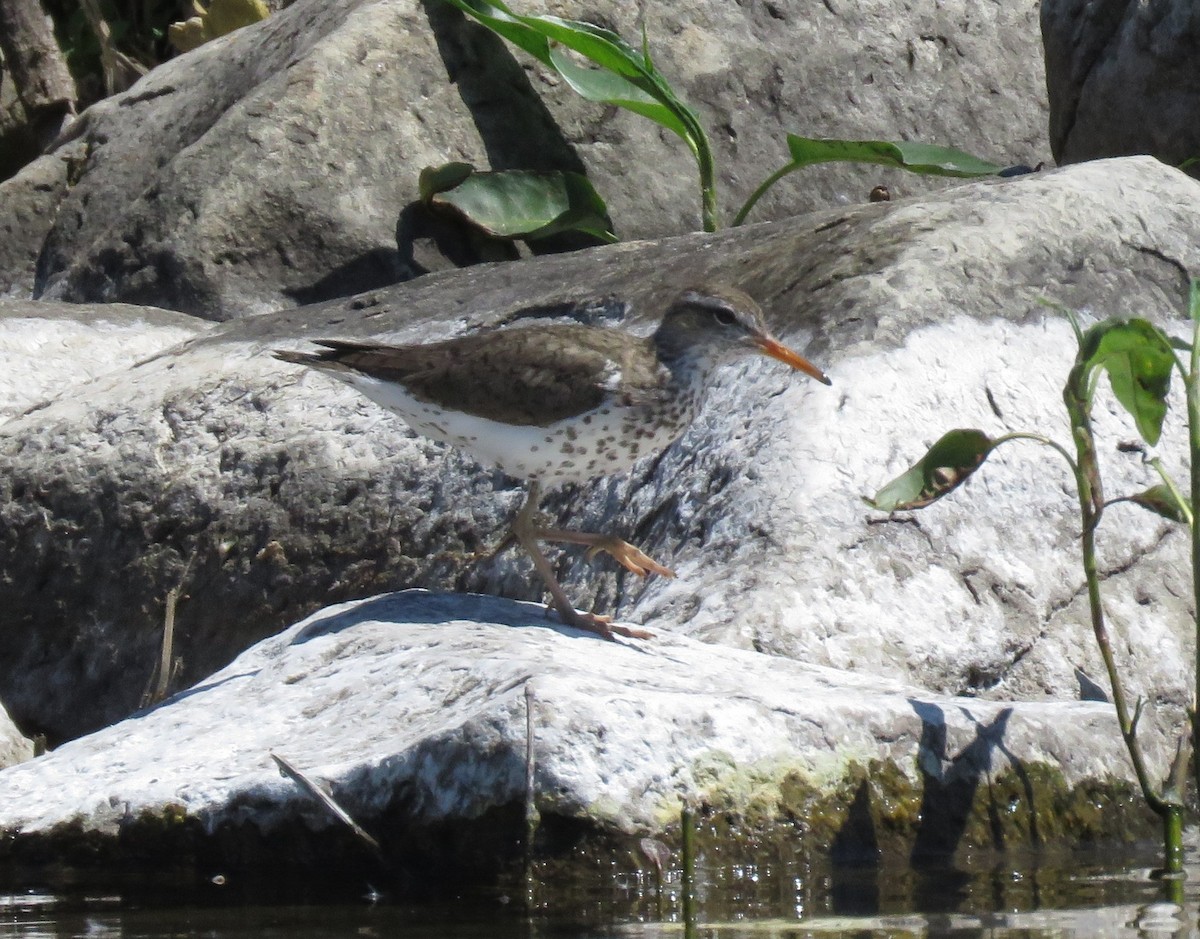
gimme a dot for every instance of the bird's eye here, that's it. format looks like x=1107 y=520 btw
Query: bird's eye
x=725 y=317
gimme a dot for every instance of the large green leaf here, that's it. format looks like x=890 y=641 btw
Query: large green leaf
x=1138 y=358
x=945 y=467
x=625 y=78
x=924 y=158
x=618 y=90
x=517 y=203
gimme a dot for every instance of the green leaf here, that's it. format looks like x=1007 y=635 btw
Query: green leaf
x=435 y=179
x=1194 y=300
x=625 y=78
x=1138 y=358
x=924 y=158
x=518 y=203
x=616 y=90
x=1159 y=500
x=945 y=467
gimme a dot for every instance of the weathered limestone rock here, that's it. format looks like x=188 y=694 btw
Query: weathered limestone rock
x=413 y=707
x=1122 y=78
x=49 y=349
x=267 y=491
x=278 y=165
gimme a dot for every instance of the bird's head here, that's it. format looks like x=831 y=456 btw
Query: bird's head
x=716 y=323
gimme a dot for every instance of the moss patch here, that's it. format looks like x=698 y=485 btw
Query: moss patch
x=877 y=808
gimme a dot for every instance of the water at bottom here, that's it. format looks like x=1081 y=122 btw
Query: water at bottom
x=1076 y=894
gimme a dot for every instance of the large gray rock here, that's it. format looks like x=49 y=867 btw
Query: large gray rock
x=1122 y=78
x=266 y=490
x=279 y=165
x=29 y=205
x=49 y=349
x=414 y=707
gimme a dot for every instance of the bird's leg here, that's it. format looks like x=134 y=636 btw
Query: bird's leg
x=526 y=533
x=632 y=558
x=488 y=554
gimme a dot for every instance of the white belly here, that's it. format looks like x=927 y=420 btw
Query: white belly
x=602 y=442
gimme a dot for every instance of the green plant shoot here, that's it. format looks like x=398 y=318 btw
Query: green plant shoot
x=625 y=78
x=1138 y=358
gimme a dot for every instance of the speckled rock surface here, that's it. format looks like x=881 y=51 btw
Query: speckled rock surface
x=269 y=490
x=50 y=349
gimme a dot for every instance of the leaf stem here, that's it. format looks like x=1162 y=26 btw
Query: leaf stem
x=1192 y=394
x=1091 y=506
x=709 y=213
x=761 y=191
x=1185 y=509
x=1038 y=438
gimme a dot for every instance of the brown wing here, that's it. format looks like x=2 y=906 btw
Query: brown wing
x=529 y=376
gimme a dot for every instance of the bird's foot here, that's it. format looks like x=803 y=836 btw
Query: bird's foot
x=633 y=559
x=599 y=624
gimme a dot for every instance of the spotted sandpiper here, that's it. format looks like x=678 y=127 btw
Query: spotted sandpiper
x=555 y=403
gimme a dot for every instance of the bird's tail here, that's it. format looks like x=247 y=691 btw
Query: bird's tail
x=329 y=357
x=296 y=358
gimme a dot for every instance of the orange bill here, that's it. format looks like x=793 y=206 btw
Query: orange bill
x=777 y=350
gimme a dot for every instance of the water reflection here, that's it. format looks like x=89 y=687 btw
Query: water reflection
x=1073 y=896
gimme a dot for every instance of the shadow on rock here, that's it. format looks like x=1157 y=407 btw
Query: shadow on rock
x=411 y=606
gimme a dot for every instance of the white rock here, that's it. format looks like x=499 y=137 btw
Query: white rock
x=49 y=349
x=426 y=694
